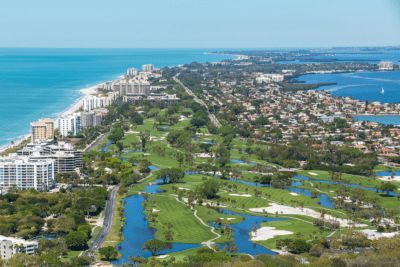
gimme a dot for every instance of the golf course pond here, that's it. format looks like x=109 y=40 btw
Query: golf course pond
x=137 y=231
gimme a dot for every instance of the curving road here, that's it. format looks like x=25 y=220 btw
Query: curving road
x=189 y=92
x=108 y=217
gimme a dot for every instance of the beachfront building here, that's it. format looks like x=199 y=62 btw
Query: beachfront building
x=148 y=67
x=152 y=98
x=66 y=158
x=126 y=87
x=42 y=129
x=132 y=72
x=94 y=102
x=25 y=173
x=11 y=245
x=385 y=65
x=70 y=124
x=91 y=119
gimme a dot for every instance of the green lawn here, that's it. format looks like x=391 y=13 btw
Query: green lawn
x=186 y=227
x=294 y=226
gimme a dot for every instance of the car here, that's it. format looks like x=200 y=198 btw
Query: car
x=102 y=236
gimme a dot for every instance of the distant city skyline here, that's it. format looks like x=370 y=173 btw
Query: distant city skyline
x=199 y=23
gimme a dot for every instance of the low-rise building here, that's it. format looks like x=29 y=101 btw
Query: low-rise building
x=168 y=99
x=10 y=246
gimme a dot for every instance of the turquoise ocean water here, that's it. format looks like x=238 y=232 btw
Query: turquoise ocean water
x=37 y=83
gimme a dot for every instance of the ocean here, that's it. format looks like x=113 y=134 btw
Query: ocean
x=41 y=83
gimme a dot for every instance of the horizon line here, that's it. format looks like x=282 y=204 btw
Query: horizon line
x=252 y=48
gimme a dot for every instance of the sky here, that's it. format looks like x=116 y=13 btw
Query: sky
x=199 y=23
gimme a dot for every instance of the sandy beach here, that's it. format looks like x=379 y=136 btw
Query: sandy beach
x=79 y=103
x=73 y=108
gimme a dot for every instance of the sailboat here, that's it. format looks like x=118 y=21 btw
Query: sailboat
x=383 y=91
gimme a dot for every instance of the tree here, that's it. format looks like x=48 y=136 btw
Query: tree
x=173 y=175
x=144 y=137
x=387 y=187
x=22 y=259
x=76 y=240
x=50 y=260
x=299 y=246
x=63 y=225
x=198 y=122
x=138 y=120
x=11 y=197
x=208 y=189
x=153 y=246
x=109 y=252
x=87 y=229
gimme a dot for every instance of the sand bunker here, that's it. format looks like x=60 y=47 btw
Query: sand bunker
x=237 y=195
x=265 y=233
x=293 y=194
x=389 y=178
x=281 y=209
x=313 y=173
x=162 y=256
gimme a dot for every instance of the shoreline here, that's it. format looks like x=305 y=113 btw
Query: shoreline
x=71 y=109
x=76 y=105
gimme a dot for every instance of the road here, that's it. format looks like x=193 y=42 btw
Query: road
x=96 y=142
x=108 y=217
x=189 y=92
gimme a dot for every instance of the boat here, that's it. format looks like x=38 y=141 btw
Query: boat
x=383 y=91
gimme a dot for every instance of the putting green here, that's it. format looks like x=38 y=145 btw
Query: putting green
x=279 y=223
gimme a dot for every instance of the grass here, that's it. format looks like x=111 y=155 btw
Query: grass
x=354 y=179
x=293 y=226
x=186 y=227
x=70 y=255
x=383 y=168
x=179 y=256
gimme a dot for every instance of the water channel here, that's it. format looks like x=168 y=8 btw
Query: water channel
x=137 y=231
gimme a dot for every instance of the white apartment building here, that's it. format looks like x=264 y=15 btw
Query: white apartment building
x=26 y=173
x=132 y=72
x=93 y=102
x=148 y=67
x=10 y=246
x=70 y=123
x=243 y=57
x=385 y=65
x=268 y=78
